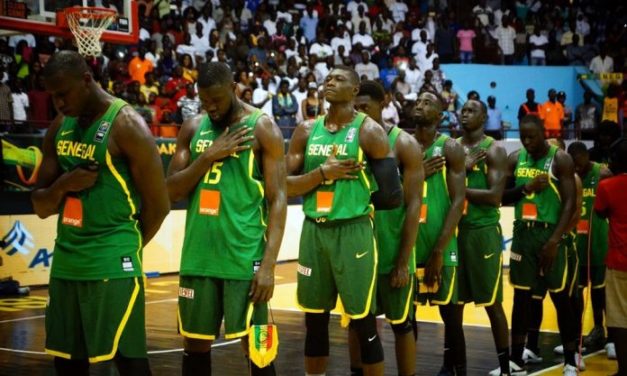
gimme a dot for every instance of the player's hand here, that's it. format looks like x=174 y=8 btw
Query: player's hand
x=538 y=183
x=475 y=157
x=399 y=277
x=228 y=143
x=262 y=287
x=80 y=179
x=433 y=165
x=433 y=269
x=547 y=256
x=334 y=169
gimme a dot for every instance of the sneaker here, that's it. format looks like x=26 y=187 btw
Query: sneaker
x=570 y=370
x=559 y=350
x=610 y=349
x=514 y=370
x=579 y=362
x=531 y=357
x=446 y=372
x=596 y=337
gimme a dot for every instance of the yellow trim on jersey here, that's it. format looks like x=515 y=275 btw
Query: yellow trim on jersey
x=565 y=276
x=410 y=296
x=372 y=282
x=251 y=165
x=58 y=354
x=188 y=334
x=308 y=310
x=496 y=286
x=450 y=291
x=249 y=316
x=118 y=333
x=520 y=287
x=360 y=158
x=573 y=282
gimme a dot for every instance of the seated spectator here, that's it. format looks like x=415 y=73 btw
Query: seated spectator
x=20 y=104
x=312 y=106
x=400 y=85
x=150 y=85
x=362 y=37
x=390 y=111
x=284 y=109
x=587 y=117
x=576 y=54
x=41 y=107
x=438 y=75
x=366 y=67
x=189 y=71
x=388 y=74
x=189 y=104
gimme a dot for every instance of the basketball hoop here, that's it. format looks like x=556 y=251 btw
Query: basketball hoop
x=87 y=25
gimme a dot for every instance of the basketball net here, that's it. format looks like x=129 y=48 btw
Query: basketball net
x=87 y=25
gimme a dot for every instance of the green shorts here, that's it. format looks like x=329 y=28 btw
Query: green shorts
x=597 y=276
x=529 y=238
x=205 y=301
x=337 y=258
x=447 y=290
x=480 y=265
x=395 y=303
x=96 y=319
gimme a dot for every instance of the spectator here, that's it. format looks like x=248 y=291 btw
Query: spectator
x=363 y=38
x=189 y=71
x=366 y=67
x=200 y=40
x=494 y=123
x=568 y=113
x=413 y=76
x=262 y=95
x=399 y=10
x=341 y=38
x=426 y=61
x=360 y=16
x=309 y=23
x=320 y=48
x=610 y=203
x=6 y=105
x=388 y=74
x=552 y=113
x=354 y=5
x=506 y=35
x=189 y=104
x=482 y=12
x=587 y=117
x=390 y=111
x=531 y=107
x=41 y=108
x=150 y=85
x=602 y=63
x=576 y=54
x=207 y=22
x=450 y=96
x=608 y=133
x=139 y=65
x=284 y=109
x=20 y=102
x=400 y=85
x=312 y=106
x=444 y=40
x=610 y=104
x=427 y=84
x=300 y=94
x=419 y=48
x=175 y=88
x=438 y=75
x=465 y=37
x=538 y=44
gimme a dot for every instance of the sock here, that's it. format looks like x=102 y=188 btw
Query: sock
x=196 y=363
x=71 y=367
x=132 y=366
x=569 y=357
x=598 y=305
x=517 y=351
x=503 y=355
x=265 y=371
x=532 y=340
x=357 y=371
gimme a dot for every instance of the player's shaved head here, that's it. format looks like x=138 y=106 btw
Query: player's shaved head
x=352 y=75
x=66 y=63
x=214 y=74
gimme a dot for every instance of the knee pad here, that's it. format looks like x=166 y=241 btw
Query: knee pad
x=369 y=342
x=132 y=366
x=403 y=328
x=71 y=367
x=317 y=337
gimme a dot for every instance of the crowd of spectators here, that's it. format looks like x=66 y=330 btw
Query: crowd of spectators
x=282 y=50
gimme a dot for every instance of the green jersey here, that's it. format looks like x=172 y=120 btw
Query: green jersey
x=389 y=226
x=544 y=206
x=338 y=199
x=590 y=224
x=436 y=203
x=476 y=215
x=226 y=214
x=98 y=233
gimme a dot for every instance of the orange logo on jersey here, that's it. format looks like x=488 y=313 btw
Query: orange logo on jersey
x=73 y=212
x=423 y=213
x=209 y=202
x=529 y=211
x=324 y=201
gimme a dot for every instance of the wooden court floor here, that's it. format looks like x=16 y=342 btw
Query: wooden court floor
x=22 y=337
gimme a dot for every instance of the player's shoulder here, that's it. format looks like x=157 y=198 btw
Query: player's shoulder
x=407 y=140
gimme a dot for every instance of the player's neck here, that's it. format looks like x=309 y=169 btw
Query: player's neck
x=426 y=135
x=473 y=137
x=542 y=151
x=340 y=114
x=95 y=107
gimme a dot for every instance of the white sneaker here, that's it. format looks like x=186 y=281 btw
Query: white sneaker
x=579 y=361
x=559 y=350
x=610 y=349
x=570 y=370
x=530 y=357
x=514 y=370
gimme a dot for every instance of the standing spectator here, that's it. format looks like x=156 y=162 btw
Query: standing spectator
x=284 y=109
x=341 y=38
x=506 y=35
x=602 y=63
x=262 y=95
x=360 y=16
x=576 y=54
x=353 y=7
x=399 y=10
x=568 y=114
x=610 y=104
x=413 y=75
x=388 y=74
x=321 y=48
x=6 y=105
x=312 y=106
x=426 y=61
x=587 y=117
x=610 y=203
x=363 y=37
x=207 y=22
x=444 y=40
x=139 y=65
x=299 y=94
x=40 y=104
x=552 y=113
x=494 y=123
x=438 y=75
x=189 y=104
x=482 y=12
x=20 y=102
x=309 y=23
x=465 y=36
x=538 y=44
x=530 y=107
x=366 y=67
x=419 y=48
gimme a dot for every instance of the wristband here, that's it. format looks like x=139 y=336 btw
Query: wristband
x=324 y=178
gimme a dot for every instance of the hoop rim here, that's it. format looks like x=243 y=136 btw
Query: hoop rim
x=93 y=12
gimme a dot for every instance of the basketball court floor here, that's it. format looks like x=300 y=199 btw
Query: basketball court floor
x=22 y=337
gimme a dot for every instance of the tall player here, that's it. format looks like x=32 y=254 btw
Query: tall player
x=480 y=237
x=396 y=232
x=337 y=163
x=542 y=181
x=442 y=206
x=230 y=164
x=102 y=174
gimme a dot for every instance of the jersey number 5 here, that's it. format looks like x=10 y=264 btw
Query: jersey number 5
x=214 y=175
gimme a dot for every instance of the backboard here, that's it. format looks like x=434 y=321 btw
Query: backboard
x=40 y=17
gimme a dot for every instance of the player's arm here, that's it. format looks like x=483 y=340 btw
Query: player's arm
x=52 y=185
x=183 y=176
x=605 y=173
x=456 y=183
x=410 y=157
x=496 y=161
x=565 y=173
x=374 y=142
x=270 y=141
x=137 y=145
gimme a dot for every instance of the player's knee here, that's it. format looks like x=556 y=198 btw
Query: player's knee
x=132 y=366
x=369 y=342
x=197 y=345
x=317 y=337
x=71 y=367
x=403 y=328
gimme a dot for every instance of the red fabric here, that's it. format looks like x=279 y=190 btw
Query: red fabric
x=611 y=200
x=41 y=103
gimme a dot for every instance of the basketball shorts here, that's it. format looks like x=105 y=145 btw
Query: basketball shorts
x=205 y=301
x=337 y=258
x=446 y=292
x=395 y=303
x=597 y=276
x=481 y=265
x=96 y=319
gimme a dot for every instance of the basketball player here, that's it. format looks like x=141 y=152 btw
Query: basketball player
x=542 y=184
x=442 y=206
x=229 y=162
x=592 y=237
x=102 y=174
x=480 y=237
x=337 y=163
x=396 y=232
